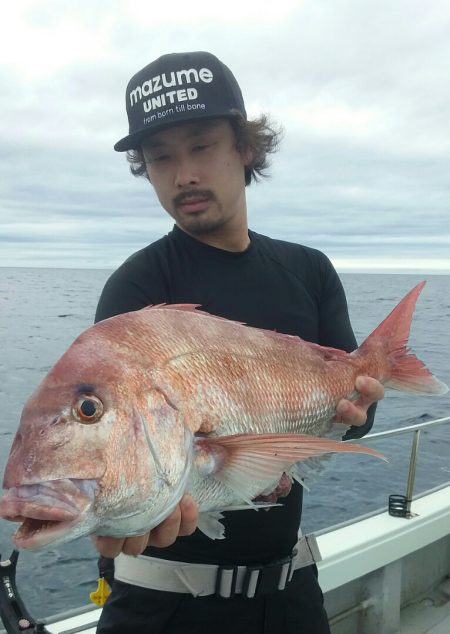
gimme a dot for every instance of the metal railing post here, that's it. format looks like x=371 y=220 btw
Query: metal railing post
x=400 y=505
x=412 y=471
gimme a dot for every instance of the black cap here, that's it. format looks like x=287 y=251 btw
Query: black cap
x=178 y=88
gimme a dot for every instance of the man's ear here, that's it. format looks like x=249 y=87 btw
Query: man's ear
x=247 y=156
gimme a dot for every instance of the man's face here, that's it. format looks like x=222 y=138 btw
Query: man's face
x=198 y=176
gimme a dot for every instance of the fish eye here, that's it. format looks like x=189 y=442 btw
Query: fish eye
x=88 y=409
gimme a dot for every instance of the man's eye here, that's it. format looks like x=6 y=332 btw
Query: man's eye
x=199 y=148
x=160 y=158
x=156 y=159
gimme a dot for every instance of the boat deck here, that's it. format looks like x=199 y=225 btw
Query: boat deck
x=431 y=615
x=423 y=617
x=373 y=566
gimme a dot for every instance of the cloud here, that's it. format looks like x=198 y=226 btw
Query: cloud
x=360 y=89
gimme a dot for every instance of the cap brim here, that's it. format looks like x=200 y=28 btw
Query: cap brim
x=133 y=141
x=130 y=142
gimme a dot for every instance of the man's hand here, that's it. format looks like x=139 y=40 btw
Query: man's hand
x=355 y=413
x=182 y=521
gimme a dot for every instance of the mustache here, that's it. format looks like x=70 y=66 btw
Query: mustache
x=200 y=193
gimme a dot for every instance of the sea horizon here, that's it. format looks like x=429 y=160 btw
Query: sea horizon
x=340 y=270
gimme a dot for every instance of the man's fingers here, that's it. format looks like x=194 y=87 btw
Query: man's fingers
x=370 y=390
x=135 y=545
x=189 y=515
x=166 y=533
x=182 y=521
x=113 y=546
x=350 y=414
x=108 y=546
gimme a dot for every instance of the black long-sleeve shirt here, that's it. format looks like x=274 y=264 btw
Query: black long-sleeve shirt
x=274 y=285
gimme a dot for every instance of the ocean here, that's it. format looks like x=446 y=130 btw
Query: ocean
x=43 y=310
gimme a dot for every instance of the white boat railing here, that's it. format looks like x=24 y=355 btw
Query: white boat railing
x=400 y=505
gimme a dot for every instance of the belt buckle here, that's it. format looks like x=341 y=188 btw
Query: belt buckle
x=269 y=578
x=226 y=581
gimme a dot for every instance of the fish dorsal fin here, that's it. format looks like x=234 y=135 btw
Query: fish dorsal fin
x=186 y=307
x=328 y=354
x=190 y=308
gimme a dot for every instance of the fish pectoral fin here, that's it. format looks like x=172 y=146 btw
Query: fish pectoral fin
x=249 y=463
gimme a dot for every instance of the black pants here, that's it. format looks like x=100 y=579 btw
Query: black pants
x=296 y=610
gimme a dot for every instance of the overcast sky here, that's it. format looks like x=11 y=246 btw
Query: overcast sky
x=361 y=88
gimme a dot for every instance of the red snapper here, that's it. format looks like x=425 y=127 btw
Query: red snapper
x=150 y=404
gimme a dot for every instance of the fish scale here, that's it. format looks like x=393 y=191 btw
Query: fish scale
x=244 y=393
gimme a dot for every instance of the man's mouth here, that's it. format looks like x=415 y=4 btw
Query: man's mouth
x=193 y=203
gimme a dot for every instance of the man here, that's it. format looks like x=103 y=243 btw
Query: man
x=189 y=135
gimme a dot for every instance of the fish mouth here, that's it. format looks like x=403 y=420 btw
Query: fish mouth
x=46 y=510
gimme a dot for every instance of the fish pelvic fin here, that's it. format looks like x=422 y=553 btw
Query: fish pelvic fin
x=250 y=463
x=401 y=370
x=210 y=525
x=209 y=522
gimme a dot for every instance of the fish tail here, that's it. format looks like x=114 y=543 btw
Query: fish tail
x=401 y=370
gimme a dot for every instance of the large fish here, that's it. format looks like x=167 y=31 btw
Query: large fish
x=150 y=404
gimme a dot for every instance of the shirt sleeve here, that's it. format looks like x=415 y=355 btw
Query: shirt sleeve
x=120 y=295
x=138 y=282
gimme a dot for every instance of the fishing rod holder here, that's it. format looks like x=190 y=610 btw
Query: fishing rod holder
x=398 y=505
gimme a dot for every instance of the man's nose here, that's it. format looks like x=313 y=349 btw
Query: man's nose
x=186 y=174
